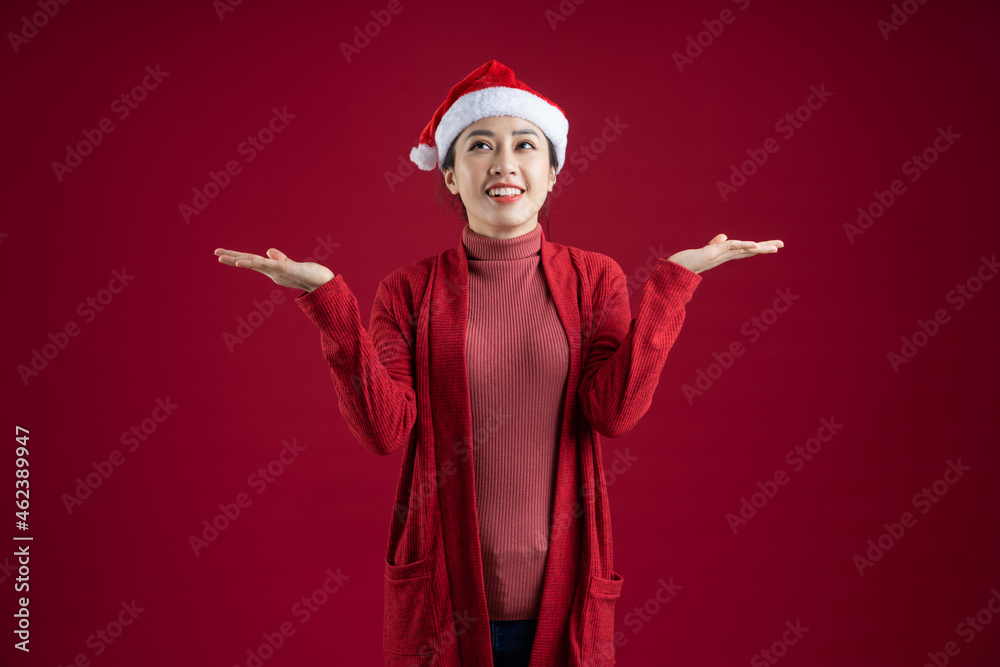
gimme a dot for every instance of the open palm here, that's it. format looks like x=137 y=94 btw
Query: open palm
x=720 y=250
x=279 y=268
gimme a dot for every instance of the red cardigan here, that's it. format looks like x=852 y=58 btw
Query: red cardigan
x=403 y=385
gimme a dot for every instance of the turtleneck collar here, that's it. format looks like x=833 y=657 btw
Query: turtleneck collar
x=482 y=247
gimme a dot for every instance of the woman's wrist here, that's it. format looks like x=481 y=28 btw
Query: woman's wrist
x=310 y=288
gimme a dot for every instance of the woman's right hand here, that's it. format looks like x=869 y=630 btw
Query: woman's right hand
x=279 y=268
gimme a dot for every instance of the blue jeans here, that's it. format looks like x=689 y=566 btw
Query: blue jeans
x=512 y=642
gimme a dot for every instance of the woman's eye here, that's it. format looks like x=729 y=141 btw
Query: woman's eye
x=483 y=143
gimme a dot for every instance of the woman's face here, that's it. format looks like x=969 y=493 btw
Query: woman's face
x=501 y=150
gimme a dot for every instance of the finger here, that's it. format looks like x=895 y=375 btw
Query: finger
x=240 y=259
x=753 y=247
x=719 y=238
x=231 y=260
x=740 y=247
x=274 y=253
x=771 y=246
x=235 y=254
x=761 y=248
x=225 y=255
x=244 y=260
x=257 y=263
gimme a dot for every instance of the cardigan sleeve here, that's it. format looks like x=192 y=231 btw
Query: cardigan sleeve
x=626 y=356
x=372 y=370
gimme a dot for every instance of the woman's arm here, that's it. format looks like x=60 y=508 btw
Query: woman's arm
x=372 y=370
x=626 y=356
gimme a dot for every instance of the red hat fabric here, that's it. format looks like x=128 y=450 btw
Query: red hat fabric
x=490 y=90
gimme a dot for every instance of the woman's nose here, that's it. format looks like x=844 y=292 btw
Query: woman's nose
x=503 y=162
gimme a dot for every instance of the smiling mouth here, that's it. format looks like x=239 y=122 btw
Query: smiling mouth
x=505 y=193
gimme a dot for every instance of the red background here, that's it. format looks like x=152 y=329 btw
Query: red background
x=324 y=177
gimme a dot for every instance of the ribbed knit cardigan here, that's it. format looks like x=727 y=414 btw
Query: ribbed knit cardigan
x=402 y=384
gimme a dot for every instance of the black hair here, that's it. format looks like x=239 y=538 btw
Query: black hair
x=454 y=201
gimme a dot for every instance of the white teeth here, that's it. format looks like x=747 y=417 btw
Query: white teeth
x=504 y=192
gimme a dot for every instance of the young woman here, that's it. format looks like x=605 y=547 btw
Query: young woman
x=495 y=365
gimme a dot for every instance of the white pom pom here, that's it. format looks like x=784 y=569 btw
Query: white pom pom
x=424 y=157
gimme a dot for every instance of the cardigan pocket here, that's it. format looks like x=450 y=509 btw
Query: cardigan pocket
x=411 y=622
x=599 y=620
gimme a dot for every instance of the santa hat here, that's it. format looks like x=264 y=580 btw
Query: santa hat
x=490 y=90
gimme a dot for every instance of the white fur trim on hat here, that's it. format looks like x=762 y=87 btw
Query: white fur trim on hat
x=501 y=101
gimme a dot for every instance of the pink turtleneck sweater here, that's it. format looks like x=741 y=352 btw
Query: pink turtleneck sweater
x=517 y=360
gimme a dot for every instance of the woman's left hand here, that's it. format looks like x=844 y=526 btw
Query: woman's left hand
x=720 y=250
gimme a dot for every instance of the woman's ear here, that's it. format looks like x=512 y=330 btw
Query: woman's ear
x=449 y=181
x=552 y=178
